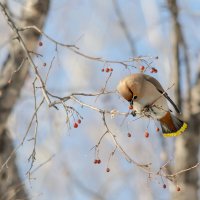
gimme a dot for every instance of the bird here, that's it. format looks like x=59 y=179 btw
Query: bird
x=149 y=99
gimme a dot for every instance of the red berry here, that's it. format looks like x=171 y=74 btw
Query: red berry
x=107 y=69
x=111 y=69
x=157 y=129
x=40 y=43
x=130 y=107
x=95 y=161
x=44 y=64
x=108 y=170
x=79 y=121
x=146 y=134
x=164 y=186
x=102 y=70
x=178 y=189
x=99 y=161
x=129 y=134
x=75 y=125
x=142 y=68
x=152 y=71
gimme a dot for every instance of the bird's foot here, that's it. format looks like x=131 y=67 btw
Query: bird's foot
x=133 y=113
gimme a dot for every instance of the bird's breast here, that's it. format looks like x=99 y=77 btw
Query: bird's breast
x=152 y=99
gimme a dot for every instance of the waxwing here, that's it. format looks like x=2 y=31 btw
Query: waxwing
x=149 y=99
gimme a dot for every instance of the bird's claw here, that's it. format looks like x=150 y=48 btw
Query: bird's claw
x=133 y=113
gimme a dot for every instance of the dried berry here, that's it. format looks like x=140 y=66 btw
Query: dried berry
x=40 y=43
x=108 y=170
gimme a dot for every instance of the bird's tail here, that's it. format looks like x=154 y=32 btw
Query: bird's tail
x=172 y=126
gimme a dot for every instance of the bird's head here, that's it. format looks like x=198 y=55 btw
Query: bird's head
x=130 y=87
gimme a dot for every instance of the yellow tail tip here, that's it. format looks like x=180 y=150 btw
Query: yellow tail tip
x=179 y=132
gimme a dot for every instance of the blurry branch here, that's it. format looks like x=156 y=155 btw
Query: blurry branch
x=42 y=164
x=73 y=48
x=15 y=71
x=7 y=42
x=33 y=154
x=49 y=70
x=23 y=140
x=184 y=170
x=17 y=188
x=124 y=26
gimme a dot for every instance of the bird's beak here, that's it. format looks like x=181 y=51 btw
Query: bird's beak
x=131 y=102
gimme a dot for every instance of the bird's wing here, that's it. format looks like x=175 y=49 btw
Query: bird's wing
x=161 y=90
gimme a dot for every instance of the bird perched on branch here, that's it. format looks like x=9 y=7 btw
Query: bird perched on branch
x=149 y=99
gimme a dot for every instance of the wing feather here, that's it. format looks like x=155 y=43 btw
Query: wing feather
x=161 y=90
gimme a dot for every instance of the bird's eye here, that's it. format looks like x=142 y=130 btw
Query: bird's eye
x=134 y=97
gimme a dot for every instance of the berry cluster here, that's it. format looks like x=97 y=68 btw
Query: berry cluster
x=107 y=69
x=97 y=161
x=153 y=69
x=77 y=123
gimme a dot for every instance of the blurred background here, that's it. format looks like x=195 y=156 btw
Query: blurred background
x=63 y=166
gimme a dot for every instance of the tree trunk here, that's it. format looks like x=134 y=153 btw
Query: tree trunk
x=34 y=13
x=187 y=149
x=186 y=145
